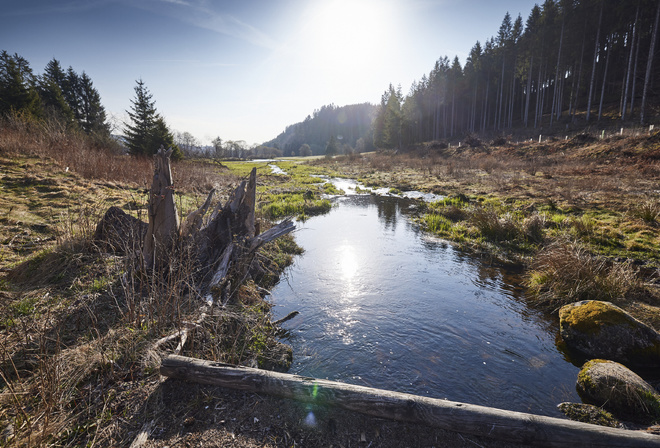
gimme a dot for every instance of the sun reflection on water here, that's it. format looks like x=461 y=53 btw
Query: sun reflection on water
x=348 y=262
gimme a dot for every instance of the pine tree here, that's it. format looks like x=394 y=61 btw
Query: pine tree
x=143 y=118
x=17 y=86
x=52 y=97
x=147 y=130
x=92 y=112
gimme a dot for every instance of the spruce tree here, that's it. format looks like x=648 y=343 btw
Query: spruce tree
x=71 y=92
x=51 y=85
x=161 y=136
x=92 y=112
x=331 y=148
x=53 y=102
x=54 y=72
x=147 y=130
x=143 y=118
x=17 y=86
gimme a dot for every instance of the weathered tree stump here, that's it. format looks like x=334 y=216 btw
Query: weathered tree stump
x=224 y=246
x=163 y=217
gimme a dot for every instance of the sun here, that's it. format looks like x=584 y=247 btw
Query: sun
x=347 y=33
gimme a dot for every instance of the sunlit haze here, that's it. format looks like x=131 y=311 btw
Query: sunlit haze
x=244 y=70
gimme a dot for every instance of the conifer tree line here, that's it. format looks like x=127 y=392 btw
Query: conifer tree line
x=572 y=62
x=60 y=94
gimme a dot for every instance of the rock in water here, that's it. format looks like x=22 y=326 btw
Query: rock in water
x=603 y=330
x=619 y=390
x=588 y=413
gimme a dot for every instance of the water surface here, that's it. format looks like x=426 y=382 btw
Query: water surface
x=383 y=305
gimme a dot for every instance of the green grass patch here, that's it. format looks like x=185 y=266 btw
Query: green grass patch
x=293 y=204
x=436 y=223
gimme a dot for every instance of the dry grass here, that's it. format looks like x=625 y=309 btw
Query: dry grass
x=565 y=272
x=99 y=161
x=77 y=324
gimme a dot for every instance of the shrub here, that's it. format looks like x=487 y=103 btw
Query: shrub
x=499 y=141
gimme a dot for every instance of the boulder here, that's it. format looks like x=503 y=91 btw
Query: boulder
x=618 y=389
x=603 y=330
x=588 y=413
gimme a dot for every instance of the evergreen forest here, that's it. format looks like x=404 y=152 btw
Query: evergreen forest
x=571 y=64
x=63 y=96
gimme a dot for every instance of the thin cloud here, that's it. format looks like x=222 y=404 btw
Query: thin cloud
x=200 y=13
x=28 y=8
x=193 y=62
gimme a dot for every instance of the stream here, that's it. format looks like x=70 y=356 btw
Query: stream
x=382 y=304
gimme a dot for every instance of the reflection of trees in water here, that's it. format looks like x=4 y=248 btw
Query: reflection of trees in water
x=510 y=281
x=387 y=212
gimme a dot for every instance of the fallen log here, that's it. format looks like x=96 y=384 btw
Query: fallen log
x=499 y=424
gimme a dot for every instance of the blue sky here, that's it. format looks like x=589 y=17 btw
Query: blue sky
x=244 y=70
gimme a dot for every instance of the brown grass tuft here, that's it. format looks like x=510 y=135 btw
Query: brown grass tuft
x=565 y=272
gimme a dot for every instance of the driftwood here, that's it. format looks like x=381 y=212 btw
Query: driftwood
x=143 y=435
x=499 y=424
x=286 y=318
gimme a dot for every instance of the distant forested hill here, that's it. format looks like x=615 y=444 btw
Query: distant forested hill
x=348 y=126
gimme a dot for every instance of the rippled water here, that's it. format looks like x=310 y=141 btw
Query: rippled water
x=383 y=305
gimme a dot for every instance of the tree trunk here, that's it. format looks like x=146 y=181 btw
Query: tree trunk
x=224 y=248
x=649 y=64
x=579 y=79
x=529 y=90
x=555 y=102
x=538 y=97
x=499 y=104
x=634 y=75
x=510 y=426
x=485 y=106
x=629 y=69
x=593 y=66
x=602 y=91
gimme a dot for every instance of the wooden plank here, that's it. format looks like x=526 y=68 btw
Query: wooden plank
x=499 y=424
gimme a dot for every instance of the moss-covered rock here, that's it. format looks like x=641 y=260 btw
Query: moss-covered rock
x=603 y=330
x=588 y=413
x=618 y=389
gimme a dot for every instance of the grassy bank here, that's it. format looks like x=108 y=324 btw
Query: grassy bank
x=81 y=340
